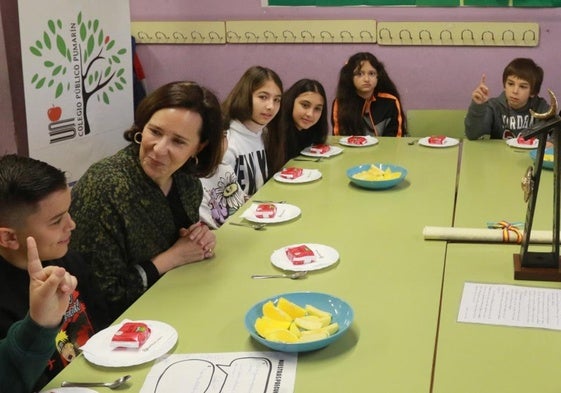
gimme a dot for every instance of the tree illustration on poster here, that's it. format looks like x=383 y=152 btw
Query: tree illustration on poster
x=90 y=56
x=422 y=3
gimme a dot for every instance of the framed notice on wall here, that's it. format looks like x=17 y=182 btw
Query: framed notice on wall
x=77 y=73
x=421 y=3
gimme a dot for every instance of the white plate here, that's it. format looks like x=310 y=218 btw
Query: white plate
x=448 y=142
x=308 y=175
x=98 y=349
x=285 y=212
x=513 y=142
x=370 y=140
x=333 y=151
x=326 y=256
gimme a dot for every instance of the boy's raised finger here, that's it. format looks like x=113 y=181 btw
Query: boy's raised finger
x=34 y=266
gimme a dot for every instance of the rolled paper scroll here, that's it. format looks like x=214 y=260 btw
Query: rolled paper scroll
x=482 y=235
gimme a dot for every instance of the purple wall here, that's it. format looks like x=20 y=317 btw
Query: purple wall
x=427 y=77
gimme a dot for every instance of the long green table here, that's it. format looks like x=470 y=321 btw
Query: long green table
x=386 y=272
x=484 y=358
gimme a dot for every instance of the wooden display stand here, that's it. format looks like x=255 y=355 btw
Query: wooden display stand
x=531 y=265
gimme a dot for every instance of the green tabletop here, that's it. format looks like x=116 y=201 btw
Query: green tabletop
x=386 y=272
x=484 y=358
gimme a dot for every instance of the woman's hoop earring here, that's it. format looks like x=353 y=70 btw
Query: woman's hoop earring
x=137 y=137
x=196 y=160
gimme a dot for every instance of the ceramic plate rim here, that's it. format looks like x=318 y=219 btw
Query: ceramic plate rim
x=335 y=150
x=249 y=216
x=315 y=174
x=159 y=350
x=371 y=141
x=280 y=254
x=513 y=142
x=448 y=142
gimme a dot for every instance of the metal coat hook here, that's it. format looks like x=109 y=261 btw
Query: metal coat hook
x=504 y=34
x=347 y=33
x=427 y=32
x=365 y=32
x=285 y=35
x=386 y=29
x=251 y=35
x=214 y=35
x=449 y=35
x=177 y=35
x=323 y=34
x=408 y=32
x=471 y=32
x=143 y=36
x=233 y=33
x=160 y=35
x=307 y=33
x=195 y=32
x=488 y=32
x=268 y=33
x=530 y=31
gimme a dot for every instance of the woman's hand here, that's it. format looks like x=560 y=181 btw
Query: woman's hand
x=194 y=244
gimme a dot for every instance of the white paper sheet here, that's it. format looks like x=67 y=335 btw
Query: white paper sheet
x=511 y=305
x=230 y=372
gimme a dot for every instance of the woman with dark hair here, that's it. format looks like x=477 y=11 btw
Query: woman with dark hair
x=137 y=212
x=367 y=101
x=302 y=121
x=249 y=108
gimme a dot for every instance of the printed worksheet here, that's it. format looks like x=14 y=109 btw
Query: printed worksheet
x=511 y=305
x=230 y=372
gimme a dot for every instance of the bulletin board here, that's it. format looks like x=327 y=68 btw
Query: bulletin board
x=420 y=3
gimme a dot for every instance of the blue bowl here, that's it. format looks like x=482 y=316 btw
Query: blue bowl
x=341 y=313
x=546 y=164
x=376 y=184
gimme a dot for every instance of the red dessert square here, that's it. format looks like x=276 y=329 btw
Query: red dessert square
x=291 y=173
x=131 y=335
x=356 y=140
x=266 y=210
x=523 y=141
x=437 y=139
x=300 y=255
x=319 y=149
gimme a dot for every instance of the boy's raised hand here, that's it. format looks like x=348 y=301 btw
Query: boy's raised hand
x=49 y=289
x=481 y=94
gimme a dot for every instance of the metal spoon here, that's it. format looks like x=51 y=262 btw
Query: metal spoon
x=292 y=276
x=309 y=159
x=257 y=227
x=111 y=385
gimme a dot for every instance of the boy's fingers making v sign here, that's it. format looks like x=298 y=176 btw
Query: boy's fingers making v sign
x=481 y=94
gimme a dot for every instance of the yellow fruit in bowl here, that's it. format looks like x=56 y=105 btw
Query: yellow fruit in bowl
x=308 y=322
x=290 y=308
x=273 y=312
x=311 y=310
x=265 y=325
x=288 y=322
x=283 y=336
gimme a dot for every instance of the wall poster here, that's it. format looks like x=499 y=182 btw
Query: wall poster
x=77 y=73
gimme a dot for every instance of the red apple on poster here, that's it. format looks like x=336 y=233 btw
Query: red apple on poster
x=54 y=113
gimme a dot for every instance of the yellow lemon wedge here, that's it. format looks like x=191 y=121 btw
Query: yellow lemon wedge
x=265 y=325
x=283 y=336
x=273 y=312
x=290 y=308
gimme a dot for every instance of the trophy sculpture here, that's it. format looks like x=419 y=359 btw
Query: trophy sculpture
x=533 y=265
